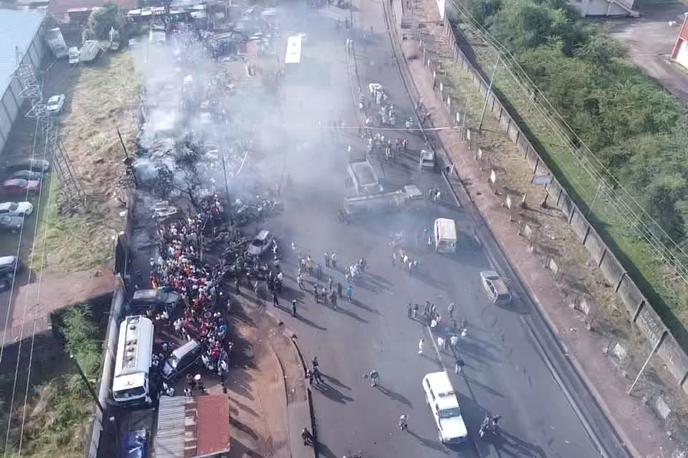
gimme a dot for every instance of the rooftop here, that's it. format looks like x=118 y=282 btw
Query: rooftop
x=17 y=29
x=60 y=7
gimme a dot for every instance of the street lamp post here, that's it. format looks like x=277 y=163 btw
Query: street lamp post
x=88 y=385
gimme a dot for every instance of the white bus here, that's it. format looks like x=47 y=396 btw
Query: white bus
x=131 y=383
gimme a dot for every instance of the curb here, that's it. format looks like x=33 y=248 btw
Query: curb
x=291 y=335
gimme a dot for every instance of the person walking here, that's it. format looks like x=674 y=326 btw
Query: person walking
x=420 y=345
x=339 y=289
x=440 y=343
x=327 y=259
x=394 y=258
x=414 y=311
x=410 y=310
x=458 y=365
x=450 y=309
x=329 y=283
x=333 y=299
x=403 y=423
x=293 y=307
x=333 y=260
x=307 y=437
x=350 y=293
x=315 y=293
x=374 y=378
x=454 y=341
x=275 y=300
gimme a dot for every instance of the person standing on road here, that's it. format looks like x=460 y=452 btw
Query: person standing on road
x=420 y=345
x=454 y=341
x=315 y=293
x=275 y=300
x=450 y=309
x=349 y=293
x=414 y=311
x=374 y=378
x=394 y=258
x=333 y=260
x=458 y=365
x=403 y=422
x=339 y=289
x=293 y=307
x=410 y=310
x=327 y=259
x=329 y=283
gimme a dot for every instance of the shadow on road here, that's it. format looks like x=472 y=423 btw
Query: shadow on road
x=332 y=393
x=427 y=442
x=394 y=395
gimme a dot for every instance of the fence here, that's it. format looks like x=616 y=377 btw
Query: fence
x=640 y=310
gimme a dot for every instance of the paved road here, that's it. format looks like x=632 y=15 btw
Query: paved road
x=505 y=373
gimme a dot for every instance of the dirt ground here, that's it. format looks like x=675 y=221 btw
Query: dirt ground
x=101 y=98
x=263 y=361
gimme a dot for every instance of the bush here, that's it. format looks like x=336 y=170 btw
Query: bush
x=80 y=334
x=102 y=20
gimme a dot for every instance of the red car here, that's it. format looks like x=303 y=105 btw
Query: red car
x=19 y=186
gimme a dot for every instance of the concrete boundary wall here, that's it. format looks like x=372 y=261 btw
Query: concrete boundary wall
x=641 y=312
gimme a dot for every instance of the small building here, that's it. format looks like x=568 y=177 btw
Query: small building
x=192 y=427
x=616 y=8
x=21 y=41
x=680 y=52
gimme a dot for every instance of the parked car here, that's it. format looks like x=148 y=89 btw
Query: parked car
x=152 y=299
x=17 y=186
x=260 y=243
x=16 y=208
x=27 y=175
x=181 y=359
x=55 y=104
x=8 y=264
x=37 y=165
x=427 y=159
x=496 y=289
x=135 y=444
x=11 y=223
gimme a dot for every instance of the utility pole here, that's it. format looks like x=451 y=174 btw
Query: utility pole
x=88 y=384
x=647 y=361
x=489 y=91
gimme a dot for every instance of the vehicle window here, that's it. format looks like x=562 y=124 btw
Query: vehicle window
x=12 y=207
x=450 y=413
x=257 y=242
x=131 y=392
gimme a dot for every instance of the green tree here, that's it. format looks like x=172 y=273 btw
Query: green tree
x=102 y=19
x=80 y=335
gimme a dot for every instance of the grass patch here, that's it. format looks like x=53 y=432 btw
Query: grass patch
x=69 y=243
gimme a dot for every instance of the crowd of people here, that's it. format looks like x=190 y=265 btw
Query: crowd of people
x=179 y=268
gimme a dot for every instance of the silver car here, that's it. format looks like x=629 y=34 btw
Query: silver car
x=495 y=287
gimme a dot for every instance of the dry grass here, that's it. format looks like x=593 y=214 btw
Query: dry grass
x=104 y=98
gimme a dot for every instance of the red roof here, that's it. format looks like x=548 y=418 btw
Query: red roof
x=212 y=428
x=682 y=36
x=59 y=7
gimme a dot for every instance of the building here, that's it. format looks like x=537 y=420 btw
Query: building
x=67 y=10
x=605 y=7
x=21 y=40
x=680 y=52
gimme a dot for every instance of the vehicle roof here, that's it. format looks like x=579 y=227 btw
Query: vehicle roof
x=427 y=154
x=55 y=97
x=186 y=348
x=263 y=234
x=489 y=274
x=441 y=385
x=446 y=227
x=15 y=181
x=7 y=259
x=293 y=53
x=136 y=333
x=499 y=286
x=143 y=294
x=127 y=381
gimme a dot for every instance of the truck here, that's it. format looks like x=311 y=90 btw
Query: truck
x=56 y=43
x=131 y=381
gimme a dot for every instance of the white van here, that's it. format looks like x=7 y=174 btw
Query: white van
x=131 y=381
x=444 y=406
x=445 y=235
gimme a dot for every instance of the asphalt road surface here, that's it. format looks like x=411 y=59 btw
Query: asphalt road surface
x=505 y=371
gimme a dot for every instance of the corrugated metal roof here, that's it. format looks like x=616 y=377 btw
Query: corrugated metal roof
x=17 y=29
x=193 y=427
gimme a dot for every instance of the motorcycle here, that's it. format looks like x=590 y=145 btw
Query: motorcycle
x=489 y=425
